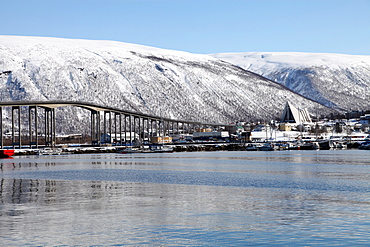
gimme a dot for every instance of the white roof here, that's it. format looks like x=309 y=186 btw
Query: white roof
x=291 y=113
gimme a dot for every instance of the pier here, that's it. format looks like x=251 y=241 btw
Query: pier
x=104 y=121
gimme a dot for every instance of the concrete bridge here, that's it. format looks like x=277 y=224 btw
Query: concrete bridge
x=101 y=120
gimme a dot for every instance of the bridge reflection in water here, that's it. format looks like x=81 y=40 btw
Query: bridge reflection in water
x=103 y=121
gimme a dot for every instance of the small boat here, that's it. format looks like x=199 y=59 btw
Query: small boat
x=340 y=145
x=161 y=149
x=50 y=151
x=251 y=147
x=130 y=150
x=152 y=149
x=281 y=146
x=326 y=144
x=309 y=146
x=266 y=147
x=293 y=146
x=6 y=153
x=365 y=146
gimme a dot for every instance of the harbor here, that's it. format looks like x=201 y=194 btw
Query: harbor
x=117 y=131
x=363 y=144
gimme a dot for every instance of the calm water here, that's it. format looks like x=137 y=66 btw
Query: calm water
x=300 y=198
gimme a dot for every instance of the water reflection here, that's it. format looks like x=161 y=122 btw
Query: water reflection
x=49 y=212
x=202 y=199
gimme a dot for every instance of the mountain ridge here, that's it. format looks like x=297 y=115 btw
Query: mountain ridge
x=172 y=84
x=336 y=80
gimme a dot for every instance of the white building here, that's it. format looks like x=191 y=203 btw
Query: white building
x=293 y=115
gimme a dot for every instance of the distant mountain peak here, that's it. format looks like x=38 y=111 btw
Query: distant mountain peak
x=335 y=80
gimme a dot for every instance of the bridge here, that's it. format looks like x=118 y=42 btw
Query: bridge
x=133 y=122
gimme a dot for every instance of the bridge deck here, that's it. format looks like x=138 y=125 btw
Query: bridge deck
x=95 y=107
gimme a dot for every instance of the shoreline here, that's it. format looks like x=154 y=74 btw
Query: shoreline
x=201 y=147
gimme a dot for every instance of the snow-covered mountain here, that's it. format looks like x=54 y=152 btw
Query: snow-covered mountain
x=160 y=82
x=335 y=80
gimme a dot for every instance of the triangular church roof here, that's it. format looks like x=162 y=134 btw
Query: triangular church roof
x=293 y=115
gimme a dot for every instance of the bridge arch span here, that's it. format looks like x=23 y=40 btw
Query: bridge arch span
x=134 y=122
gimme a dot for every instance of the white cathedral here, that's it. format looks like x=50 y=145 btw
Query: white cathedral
x=295 y=116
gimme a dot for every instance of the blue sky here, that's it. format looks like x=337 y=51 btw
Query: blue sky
x=199 y=26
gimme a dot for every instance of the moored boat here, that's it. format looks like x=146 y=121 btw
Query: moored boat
x=365 y=145
x=251 y=147
x=161 y=149
x=152 y=149
x=266 y=147
x=309 y=146
x=293 y=146
x=50 y=151
x=6 y=153
x=130 y=150
x=326 y=144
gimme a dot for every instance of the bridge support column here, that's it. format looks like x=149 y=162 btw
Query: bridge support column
x=54 y=128
x=98 y=128
x=36 y=127
x=92 y=127
x=104 y=127
x=50 y=127
x=46 y=126
x=109 y=127
x=153 y=125
x=130 y=123
x=30 y=126
x=95 y=128
x=120 y=129
x=151 y=128
x=145 y=128
x=135 y=128
x=139 y=129
x=115 y=129
x=164 y=126
x=148 y=128
x=35 y=141
x=125 y=127
x=14 y=108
